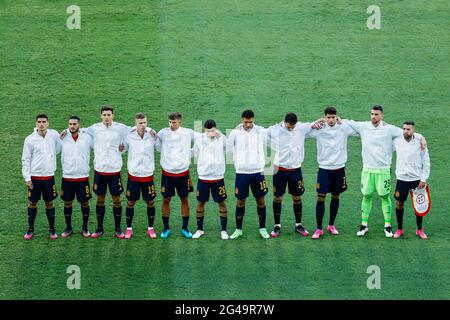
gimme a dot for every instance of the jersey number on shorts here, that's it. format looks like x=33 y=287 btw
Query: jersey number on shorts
x=222 y=191
x=263 y=185
x=151 y=190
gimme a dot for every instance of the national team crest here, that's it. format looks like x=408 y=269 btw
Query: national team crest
x=397 y=194
x=95 y=187
x=163 y=189
x=236 y=190
x=421 y=201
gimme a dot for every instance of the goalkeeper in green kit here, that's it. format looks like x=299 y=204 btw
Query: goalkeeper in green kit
x=377 y=148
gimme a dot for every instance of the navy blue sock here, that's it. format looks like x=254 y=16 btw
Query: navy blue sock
x=320 y=211
x=31 y=217
x=240 y=211
x=262 y=216
x=277 y=212
x=185 y=222
x=399 y=214
x=85 y=213
x=151 y=216
x=223 y=223
x=334 y=206
x=166 y=223
x=100 y=210
x=297 y=212
x=117 y=211
x=68 y=217
x=419 y=222
x=200 y=223
x=51 y=218
x=129 y=213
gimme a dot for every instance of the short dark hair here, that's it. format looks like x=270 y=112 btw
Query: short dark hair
x=290 y=118
x=209 y=124
x=248 y=114
x=329 y=110
x=378 y=107
x=175 y=116
x=42 y=115
x=140 y=115
x=74 y=118
x=410 y=123
x=106 y=108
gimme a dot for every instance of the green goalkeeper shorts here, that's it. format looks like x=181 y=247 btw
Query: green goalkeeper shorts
x=375 y=179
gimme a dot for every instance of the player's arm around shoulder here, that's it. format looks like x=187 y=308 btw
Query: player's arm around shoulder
x=56 y=137
x=423 y=141
x=231 y=141
x=357 y=126
x=160 y=139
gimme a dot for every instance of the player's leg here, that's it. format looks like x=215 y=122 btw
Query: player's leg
x=261 y=209
x=117 y=211
x=219 y=195
x=85 y=211
x=50 y=212
x=338 y=186
x=367 y=189
x=334 y=207
x=183 y=187
x=129 y=214
x=165 y=211
x=259 y=190
x=277 y=206
x=49 y=194
x=185 y=211
x=322 y=188
x=401 y=194
x=167 y=192
x=200 y=214
x=419 y=231
x=223 y=211
x=83 y=193
x=34 y=195
x=242 y=185
x=320 y=212
x=132 y=194
x=68 y=195
x=383 y=186
x=116 y=189
x=149 y=195
x=68 y=218
x=151 y=212
x=99 y=188
x=279 y=188
x=203 y=190
x=296 y=189
x=32 y=212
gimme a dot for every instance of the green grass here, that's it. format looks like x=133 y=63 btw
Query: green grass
x=212 y=59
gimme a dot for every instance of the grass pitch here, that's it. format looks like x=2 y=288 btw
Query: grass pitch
x=212 y=59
